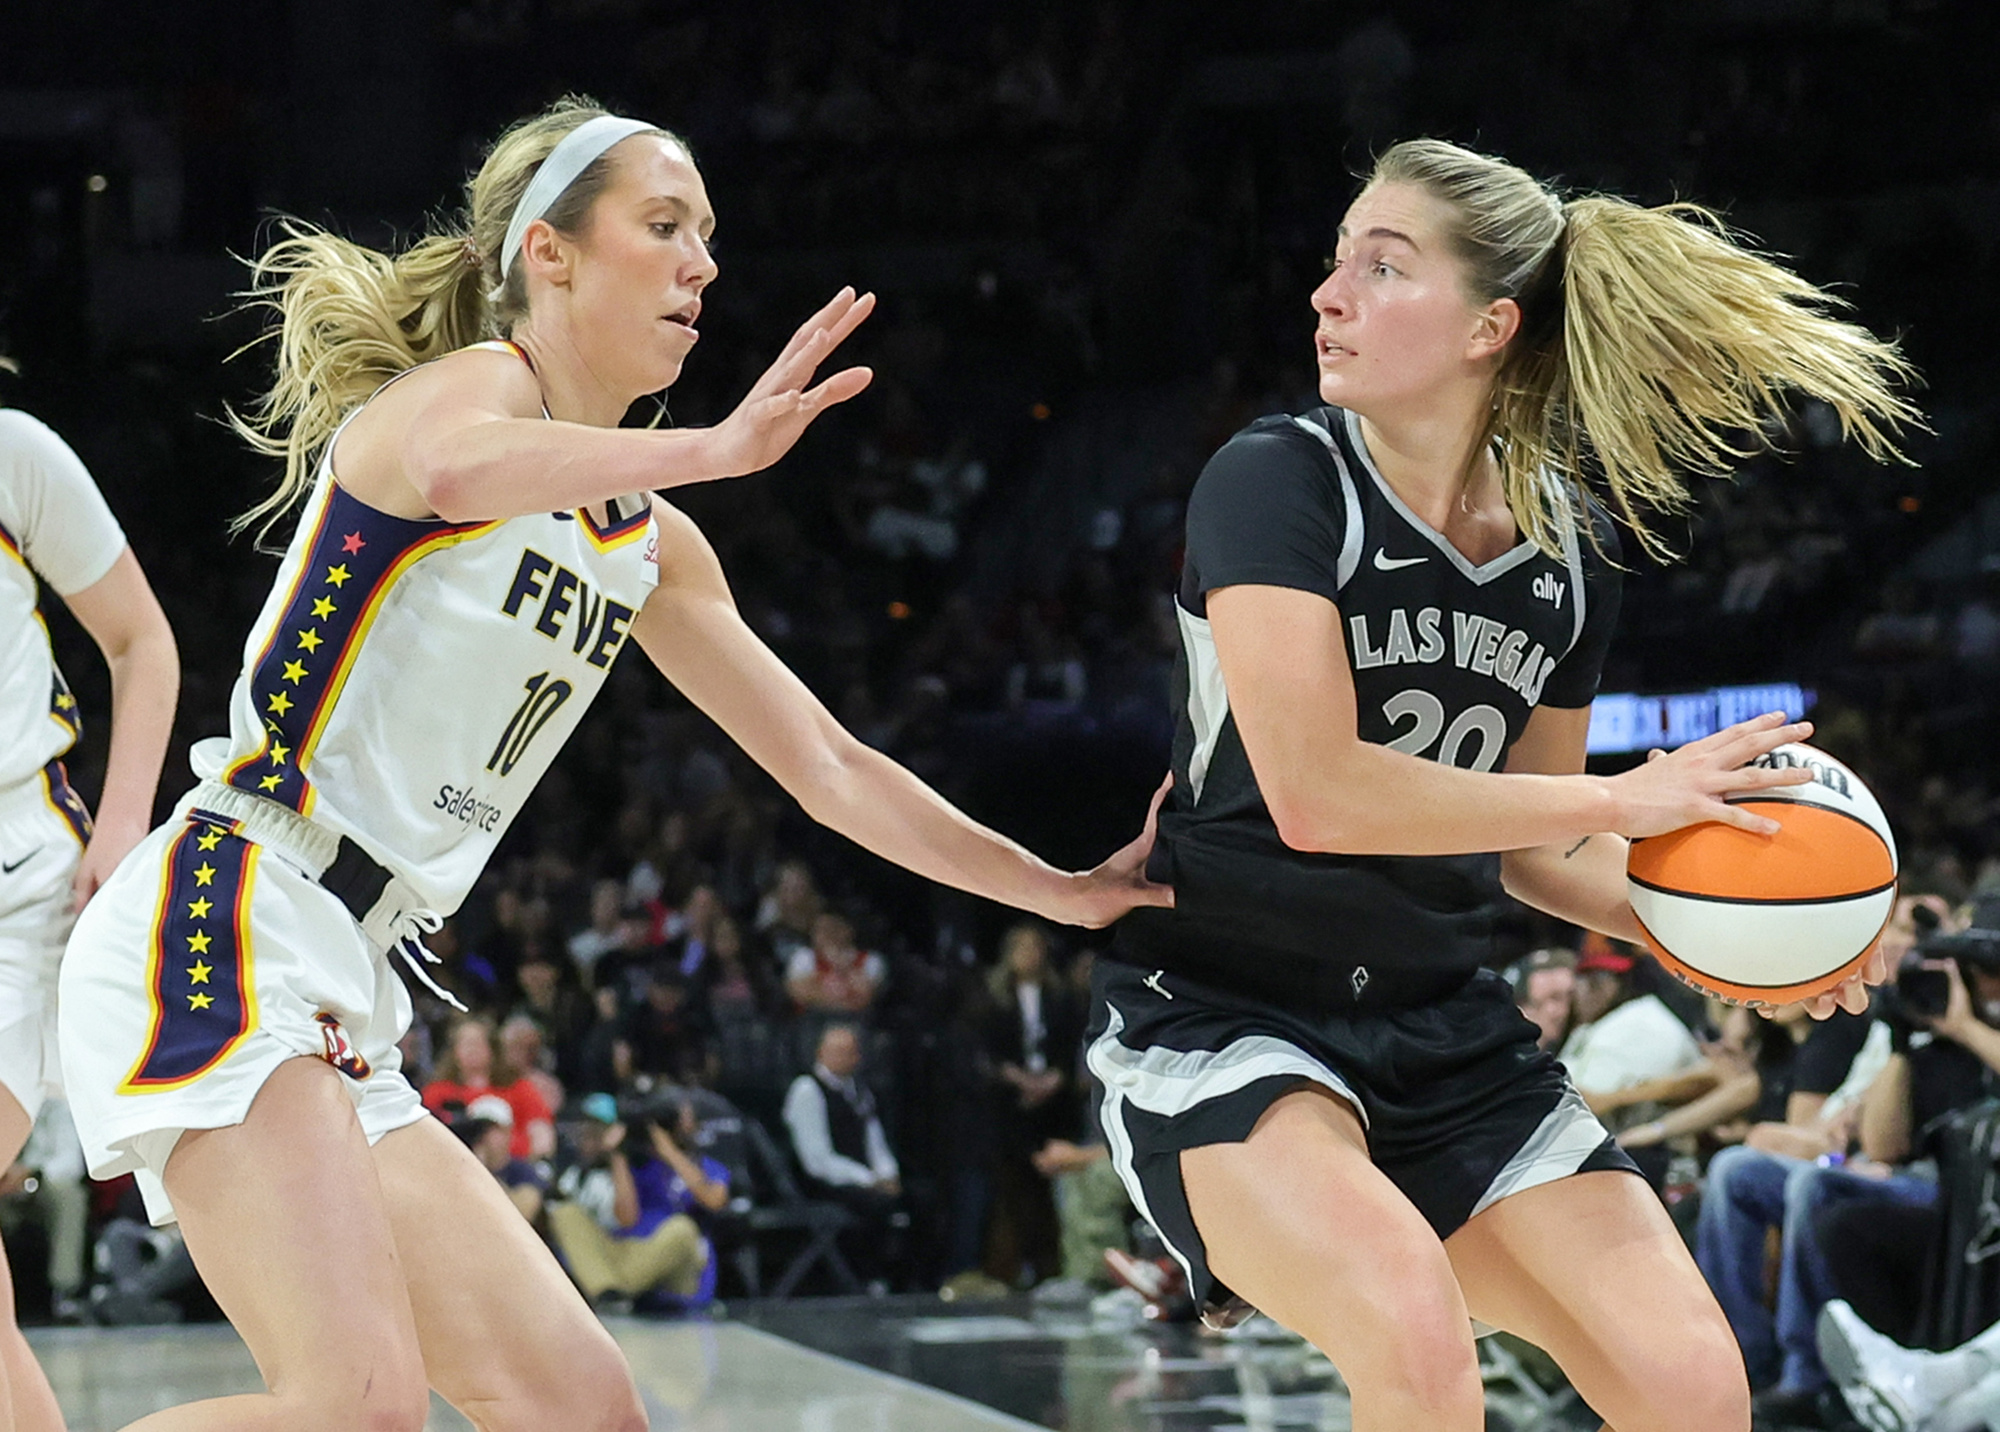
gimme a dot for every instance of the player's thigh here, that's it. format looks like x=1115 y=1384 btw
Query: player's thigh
x=1298 y=1221
x=1591 y=1269
x=506 y=1337
x=287 y=1225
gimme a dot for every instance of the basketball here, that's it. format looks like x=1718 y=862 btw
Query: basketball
x=1771 y=919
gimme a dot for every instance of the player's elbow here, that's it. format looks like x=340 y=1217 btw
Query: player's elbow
x=1303 y=827
x=444 y=480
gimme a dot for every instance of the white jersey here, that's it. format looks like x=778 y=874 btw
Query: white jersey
x=408 y=682
x=53 y=523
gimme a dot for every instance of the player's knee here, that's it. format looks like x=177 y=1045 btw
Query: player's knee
x=1417 y=1353
x=392 y=1401
x=595 y=1394
x=1699 y=1381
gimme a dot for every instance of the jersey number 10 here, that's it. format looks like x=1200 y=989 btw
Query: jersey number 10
x=543 y=700
x=1426 y=713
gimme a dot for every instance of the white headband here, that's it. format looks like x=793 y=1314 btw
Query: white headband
x=571 y=156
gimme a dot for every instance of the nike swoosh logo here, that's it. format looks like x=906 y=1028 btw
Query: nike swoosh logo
x=1385 y=563
x=10 y=869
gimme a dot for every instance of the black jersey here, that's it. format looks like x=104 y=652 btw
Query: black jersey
x=1448 y=658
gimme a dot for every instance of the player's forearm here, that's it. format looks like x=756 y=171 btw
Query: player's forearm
x=145 y=685
x=1375 y=801
x=884 y=808
x=1582 y=882
x=493 y=470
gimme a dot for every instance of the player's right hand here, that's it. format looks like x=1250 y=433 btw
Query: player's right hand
x=1686 y=786
x=780 y=406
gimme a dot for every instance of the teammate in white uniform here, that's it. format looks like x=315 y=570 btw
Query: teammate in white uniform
x=55 y=526
x=478 y=542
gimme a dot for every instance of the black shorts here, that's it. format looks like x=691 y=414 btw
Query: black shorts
x=1461 y=1107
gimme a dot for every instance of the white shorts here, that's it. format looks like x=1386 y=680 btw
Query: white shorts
x=43 y=830
x=203 y=964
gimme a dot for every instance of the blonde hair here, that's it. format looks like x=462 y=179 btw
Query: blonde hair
x=1652 y=342
x=350 y=319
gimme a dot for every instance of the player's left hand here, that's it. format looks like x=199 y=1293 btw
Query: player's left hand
x=1098 y=897
x=109 y=844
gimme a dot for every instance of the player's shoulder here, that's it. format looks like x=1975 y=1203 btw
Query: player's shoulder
x=1274 y=452
x=25 y=435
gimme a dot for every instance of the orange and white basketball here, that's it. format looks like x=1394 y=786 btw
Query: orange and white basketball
x=1771 y=919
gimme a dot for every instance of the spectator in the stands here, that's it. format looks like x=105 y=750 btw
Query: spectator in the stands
x=552 y=998
x=1032 y=1032
x=1876 y=1250
x=628 y=1219
x=734 y=981
x=667 y=1032
x=1754 y=1189
x=520 y=1040
x=469 y=1066
x=833 y=974
x=788 y=908
x=607 y=930
x=1544 y=982
x=1620 y=1037
x=487 y=1127
x=839 y=1141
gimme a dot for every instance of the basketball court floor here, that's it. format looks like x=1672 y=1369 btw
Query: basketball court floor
x=836 y=1365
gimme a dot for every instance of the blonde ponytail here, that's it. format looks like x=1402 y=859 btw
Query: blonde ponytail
x=350 y=319
x=1653 y=344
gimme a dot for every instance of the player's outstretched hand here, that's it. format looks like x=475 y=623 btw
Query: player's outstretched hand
x=1686 y=786
x=1097 y=897
x=781 y=405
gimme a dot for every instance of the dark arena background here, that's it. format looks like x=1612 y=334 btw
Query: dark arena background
x=1093 y=228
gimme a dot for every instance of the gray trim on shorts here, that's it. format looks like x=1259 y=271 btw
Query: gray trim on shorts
x=1560 y=1146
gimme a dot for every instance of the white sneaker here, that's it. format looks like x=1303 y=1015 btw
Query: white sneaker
x=1877 y=1376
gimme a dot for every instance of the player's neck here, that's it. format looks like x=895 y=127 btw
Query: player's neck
x=1439 y=462
x=571 y=390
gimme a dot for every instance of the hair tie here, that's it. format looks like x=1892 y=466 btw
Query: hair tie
x=471 y=252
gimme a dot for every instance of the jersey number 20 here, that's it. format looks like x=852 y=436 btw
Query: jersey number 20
x=544 y=697
x=1426 y=713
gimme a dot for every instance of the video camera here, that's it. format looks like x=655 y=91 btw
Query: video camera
x=1927 y=991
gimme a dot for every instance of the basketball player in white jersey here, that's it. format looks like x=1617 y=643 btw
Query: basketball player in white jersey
x=477 y=542
x=55 y=527
x=1393 y=613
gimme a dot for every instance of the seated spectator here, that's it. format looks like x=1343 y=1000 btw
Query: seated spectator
x=627 y=1221
x=735 y=983
x=1543 y=985
x=833 y=973
x=469 y=1067
x=520 y=1040
x=840 y=1144
x=1619 y=1037
x=552 y=998
x=487 y=1127
x=606 y=931
x=1754 y=1189
x=1888 y=1385
x=667 y=1032
x=787 y=910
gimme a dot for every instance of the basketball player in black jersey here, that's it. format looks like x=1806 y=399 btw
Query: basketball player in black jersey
x=1393 y=614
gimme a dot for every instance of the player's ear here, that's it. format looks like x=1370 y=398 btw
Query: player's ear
x=1493 y=326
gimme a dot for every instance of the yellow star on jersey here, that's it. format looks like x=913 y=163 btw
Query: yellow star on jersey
x=337 y=576
x=199 y=972
x=278 y=753
x=199 y=942
x=204 y=874
x=295 y=672
x=270 y=783
x=198 y=909
x=309 y=639
x=65 y=701
x=209 y=841
x=200 y=1001
x=324 y=608
x=279 y=703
